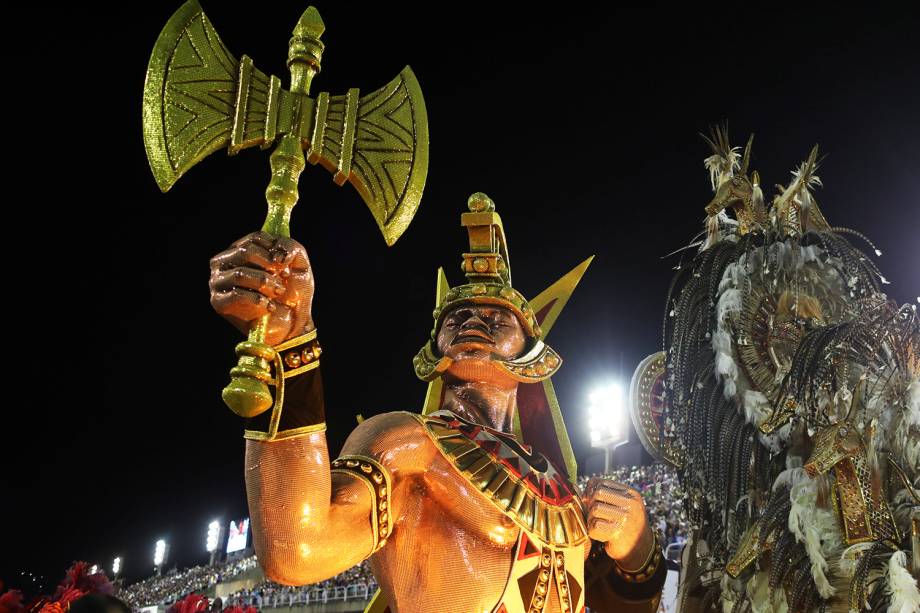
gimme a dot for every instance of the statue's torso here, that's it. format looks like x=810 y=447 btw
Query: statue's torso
x=455 y=550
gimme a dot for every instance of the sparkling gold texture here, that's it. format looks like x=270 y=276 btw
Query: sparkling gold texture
x=199 y=98
x=562 y=526
x=377 y=479
x=312 y=531
x=441 y=552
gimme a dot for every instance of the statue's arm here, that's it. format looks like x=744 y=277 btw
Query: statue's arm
x=312 y=518
x=307 y=525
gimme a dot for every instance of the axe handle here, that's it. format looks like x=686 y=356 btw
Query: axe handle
x=247 y=394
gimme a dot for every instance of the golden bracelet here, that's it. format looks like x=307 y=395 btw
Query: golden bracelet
x=377 y=479
x=297 y=355
x=648 y=568
x=292 y=357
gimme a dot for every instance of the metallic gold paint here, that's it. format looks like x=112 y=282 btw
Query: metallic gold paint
x=198 y=98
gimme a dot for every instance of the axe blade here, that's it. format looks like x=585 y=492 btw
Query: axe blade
x=189 y=93
x=378 y=143
x=198 y=98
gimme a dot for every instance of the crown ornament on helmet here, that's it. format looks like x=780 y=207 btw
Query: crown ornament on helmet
x=488 y=272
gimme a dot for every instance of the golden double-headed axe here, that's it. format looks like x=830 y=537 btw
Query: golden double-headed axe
x=199 y=98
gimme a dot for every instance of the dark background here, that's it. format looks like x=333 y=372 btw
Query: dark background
x=580 y=123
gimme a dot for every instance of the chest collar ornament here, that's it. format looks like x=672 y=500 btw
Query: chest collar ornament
x=527 y=488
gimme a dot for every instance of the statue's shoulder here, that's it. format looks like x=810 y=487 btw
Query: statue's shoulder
x=397 y=439
x=394 y=423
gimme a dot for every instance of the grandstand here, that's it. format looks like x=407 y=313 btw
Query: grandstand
x=240 y=583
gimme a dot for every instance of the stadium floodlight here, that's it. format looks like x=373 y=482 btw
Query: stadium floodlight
x=159 y=553
x=116 y=566
x=607 y=419
x=607 y=416
x=213 y=535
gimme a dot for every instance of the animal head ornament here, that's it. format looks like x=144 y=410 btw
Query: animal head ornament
x=733 y=188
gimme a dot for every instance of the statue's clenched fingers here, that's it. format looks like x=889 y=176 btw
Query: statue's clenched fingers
x=260 y=238
x=601 y=529
x=610 y=512
x=242 y=304
x=247 y=278
x=590 y=488
x=290 y=254
x=612 y=493
x=299 y=290
x=264 y=274
x=249 y=254
x=614 y=486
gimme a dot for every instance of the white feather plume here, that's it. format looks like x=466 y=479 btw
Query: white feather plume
x=757 y=408
x=902 y=587
x=904 y=443
x=728 y=595
x=791 y=475
x=912 y=415
x=722 y=167
x=806 y=177
x=778 y=440
x=714 y=165
x=758 y=594
x=813 y=526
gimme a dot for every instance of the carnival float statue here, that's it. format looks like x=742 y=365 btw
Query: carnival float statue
x=471 y=504
x=787 y=396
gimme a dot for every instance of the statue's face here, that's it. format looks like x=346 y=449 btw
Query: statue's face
x=481 y=331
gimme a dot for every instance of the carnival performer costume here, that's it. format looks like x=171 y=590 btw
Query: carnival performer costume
x=470 y=506
x=787 y=395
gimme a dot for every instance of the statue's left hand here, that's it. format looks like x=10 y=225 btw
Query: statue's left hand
x=616 y=517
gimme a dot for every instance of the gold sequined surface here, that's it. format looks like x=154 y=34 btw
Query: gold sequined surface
x=307 y=524
x=449 y=549
x=198 y=98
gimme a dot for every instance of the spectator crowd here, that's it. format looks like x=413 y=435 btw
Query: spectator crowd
x=173 y=586
x=356 y=583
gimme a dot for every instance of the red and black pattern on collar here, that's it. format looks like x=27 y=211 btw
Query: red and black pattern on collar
x=531 y=467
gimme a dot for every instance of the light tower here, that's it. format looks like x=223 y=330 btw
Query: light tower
x=212 y=543
x=160 y=552
x=607 y=420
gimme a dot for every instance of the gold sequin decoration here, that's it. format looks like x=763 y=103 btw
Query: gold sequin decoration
x=377 y=479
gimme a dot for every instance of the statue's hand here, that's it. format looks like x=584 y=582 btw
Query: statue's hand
x=617 y=518
x=263 y=274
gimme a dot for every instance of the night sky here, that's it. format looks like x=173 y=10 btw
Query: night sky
x=581 y=125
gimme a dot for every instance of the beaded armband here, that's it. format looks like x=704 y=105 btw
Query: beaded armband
x=297 y=355
x=648 y=568
x=377 y=480
x=298 y=407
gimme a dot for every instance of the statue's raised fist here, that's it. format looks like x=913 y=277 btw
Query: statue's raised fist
x=264 y=274
x=616 y=517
